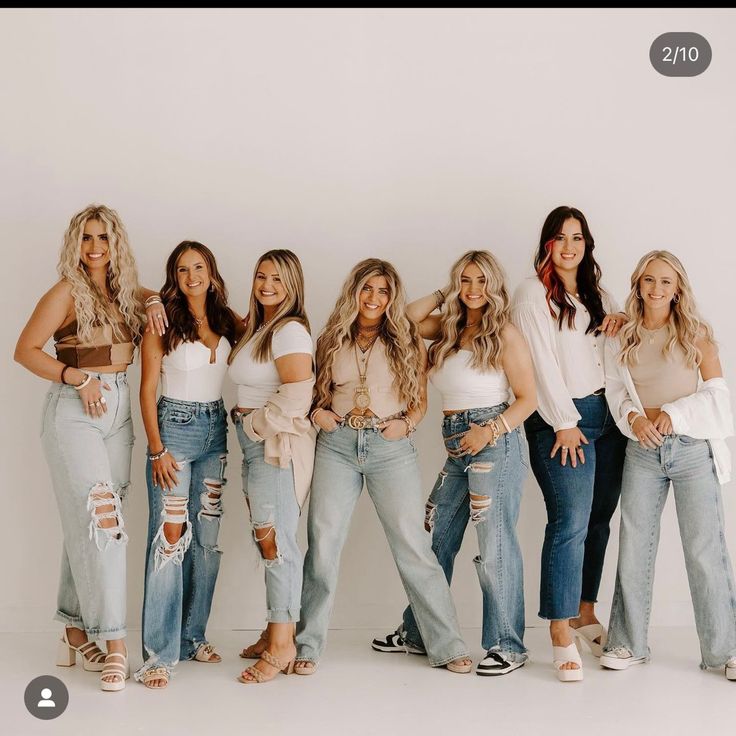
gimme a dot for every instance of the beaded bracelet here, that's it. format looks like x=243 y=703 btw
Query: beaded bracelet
x=439 y=298
x=158 y=455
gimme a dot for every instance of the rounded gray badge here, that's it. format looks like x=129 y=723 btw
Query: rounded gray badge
x=680 y=54
x=46 y=697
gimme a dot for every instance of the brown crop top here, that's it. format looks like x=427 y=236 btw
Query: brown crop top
x=104 y=348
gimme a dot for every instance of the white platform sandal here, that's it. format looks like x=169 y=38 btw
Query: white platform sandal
x=116 y=666
x=561 y=656
x=589 y=634
x=93 y=658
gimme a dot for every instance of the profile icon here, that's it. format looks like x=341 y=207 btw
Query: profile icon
x=46 y=697
x=46 y=701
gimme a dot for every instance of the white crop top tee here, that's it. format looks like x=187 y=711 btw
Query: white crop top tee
x=188 y=375
x=257 y=381
x=465 y=387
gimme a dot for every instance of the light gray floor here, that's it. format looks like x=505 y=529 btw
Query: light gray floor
x=357 y=691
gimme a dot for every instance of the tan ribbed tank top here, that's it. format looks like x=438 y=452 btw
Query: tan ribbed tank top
x=379 y=379
x=661 y=378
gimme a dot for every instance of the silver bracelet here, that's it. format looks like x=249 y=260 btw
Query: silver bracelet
x=153 y=299
x=158 y=455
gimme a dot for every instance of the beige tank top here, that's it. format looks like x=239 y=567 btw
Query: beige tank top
x=384 y=400
x=661 y=378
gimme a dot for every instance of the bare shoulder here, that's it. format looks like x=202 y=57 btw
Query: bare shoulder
x=707 y=345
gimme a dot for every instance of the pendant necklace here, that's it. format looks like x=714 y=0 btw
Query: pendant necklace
x=362 y=395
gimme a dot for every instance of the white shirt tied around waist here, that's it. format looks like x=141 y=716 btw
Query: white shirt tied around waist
x=703 y=415
x=188 y=375
x=464 y=387
x=568 y=363
x=258 y=381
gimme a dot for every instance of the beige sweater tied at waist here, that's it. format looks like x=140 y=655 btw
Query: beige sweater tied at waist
x=288 y=435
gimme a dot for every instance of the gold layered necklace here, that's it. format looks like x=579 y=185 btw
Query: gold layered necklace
x=362 y=394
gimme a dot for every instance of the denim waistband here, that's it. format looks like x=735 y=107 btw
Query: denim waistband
x=466 y=417
x=118 y=378
x=196 y=407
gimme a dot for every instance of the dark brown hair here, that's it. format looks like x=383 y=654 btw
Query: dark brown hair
x=182 y=327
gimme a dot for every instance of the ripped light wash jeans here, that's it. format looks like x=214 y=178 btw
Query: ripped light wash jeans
x=344 y=459
x=269 y=491
x=181 y=577
x=495 y=477
x=89 y=462
x=688 y=464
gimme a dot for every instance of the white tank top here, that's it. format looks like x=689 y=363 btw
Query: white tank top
x=464 y=387
x=188 y=375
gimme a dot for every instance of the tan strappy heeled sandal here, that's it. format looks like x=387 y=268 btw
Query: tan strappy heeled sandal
x=204 y=654
x=116 y=666
x=250 y=651
x=259 y=677
x=154 y=674
x=93 y=658
x=304 y=667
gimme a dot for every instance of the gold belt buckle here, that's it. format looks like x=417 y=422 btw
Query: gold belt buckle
x=355 y=421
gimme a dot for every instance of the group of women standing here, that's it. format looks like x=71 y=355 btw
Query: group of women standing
x=558 y=359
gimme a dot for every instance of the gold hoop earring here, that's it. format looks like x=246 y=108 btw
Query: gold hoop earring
x=676 y=298
x=638 y=294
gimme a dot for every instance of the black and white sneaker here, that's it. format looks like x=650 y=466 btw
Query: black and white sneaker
x=495 y=664
x=394 y=643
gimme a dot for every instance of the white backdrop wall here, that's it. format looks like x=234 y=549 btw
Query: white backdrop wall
x=407 y=135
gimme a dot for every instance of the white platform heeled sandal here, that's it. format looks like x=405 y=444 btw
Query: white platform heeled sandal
x=589 y=634
x=561 y=656
x=93 y=658
x=116 y=666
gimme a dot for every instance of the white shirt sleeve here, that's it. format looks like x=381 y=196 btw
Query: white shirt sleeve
x=556 y=406
x=291 y=338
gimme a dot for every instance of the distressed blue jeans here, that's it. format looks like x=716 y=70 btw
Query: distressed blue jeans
x=344 y=459
x=687 y=464
x=89 y=462
x=485 y=489
x=274 y=512
x=580 y=503
x=181 y=575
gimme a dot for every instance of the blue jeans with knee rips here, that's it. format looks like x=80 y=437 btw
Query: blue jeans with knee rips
x=485 y=489
x=181 y=573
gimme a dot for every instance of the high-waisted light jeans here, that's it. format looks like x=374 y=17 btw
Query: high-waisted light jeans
x=89 y=462
x=181 y=576
x=495 y=478
x=688 y=464
x=343 y=460
x=269 y=491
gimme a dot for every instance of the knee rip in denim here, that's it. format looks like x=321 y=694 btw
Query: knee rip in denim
x=430 y=511
x=264 y=534
x=107 y=525
x=479 y=505
x=210 y=499
x=175 y=512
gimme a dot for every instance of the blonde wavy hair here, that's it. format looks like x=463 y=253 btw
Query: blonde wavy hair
x=399 y=334
x=91 y=306
x=684 y=327
x=292 y=309
x=486 y=345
